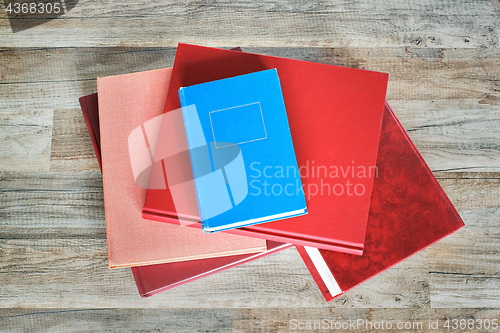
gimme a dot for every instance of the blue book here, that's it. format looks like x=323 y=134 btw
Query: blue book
x=241 y=150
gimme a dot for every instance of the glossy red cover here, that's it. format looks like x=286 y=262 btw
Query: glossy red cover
x=409 y=211
x=153 y=279
x=335 y=115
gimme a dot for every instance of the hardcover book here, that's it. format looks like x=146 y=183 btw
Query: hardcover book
x=335 y=116
x=409 y=211
x=153 y=279
x=233 y=127
x=89 y=106
x=128 y=107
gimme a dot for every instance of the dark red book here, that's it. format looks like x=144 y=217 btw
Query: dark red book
x=90 y=110
x=409 y=211
x=335 y=116
x=153 y=279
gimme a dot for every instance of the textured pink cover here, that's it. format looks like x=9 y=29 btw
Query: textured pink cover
x=125 y=103
x=409 y=211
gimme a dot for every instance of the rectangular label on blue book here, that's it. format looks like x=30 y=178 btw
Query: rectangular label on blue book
x=244 y=166
x=246 y=124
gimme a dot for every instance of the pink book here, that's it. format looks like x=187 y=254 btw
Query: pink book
x=128 y=107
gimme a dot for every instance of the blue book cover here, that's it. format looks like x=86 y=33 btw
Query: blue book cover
x=241 y=150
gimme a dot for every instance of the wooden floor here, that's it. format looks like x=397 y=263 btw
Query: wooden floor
x=444 y=63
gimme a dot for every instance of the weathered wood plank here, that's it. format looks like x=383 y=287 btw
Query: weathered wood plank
x=472 y=190
x=464 y=267
x=457 y=135
x=70 y=204
x=26 y=139
x=124 y=320
x=72 y=273
x=369 y=320
x=451 y=135
x=54 y=213
x=415 y=73
x=258 y=23
x=464 y=290
x=472 y=250
x=51 y=205
x=44 y=95
x=71 y=145
x=238 y=320
x=363 y=320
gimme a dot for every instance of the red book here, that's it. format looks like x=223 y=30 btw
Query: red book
x=335 y=116
x=409 y=211
x=152 y=279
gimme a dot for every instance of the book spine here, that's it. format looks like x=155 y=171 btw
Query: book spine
x=86 y=110
x=139 y=282
x=189 y=138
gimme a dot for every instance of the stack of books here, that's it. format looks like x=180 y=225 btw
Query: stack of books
x=230 y=156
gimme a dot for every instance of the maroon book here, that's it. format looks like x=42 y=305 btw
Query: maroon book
x=153 y=279
x=409 y=211
x=89 y=106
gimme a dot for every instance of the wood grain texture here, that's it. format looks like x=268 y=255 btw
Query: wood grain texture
x=234 y=320
x=26 y=139
x=71 y=145
x=62 y=233
x=441 y=117
x=58 y=199
x=38 y=269
x=268 y=23
x=444 y=132
x=51 y=205
x=444 y=63
x=415 y=73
